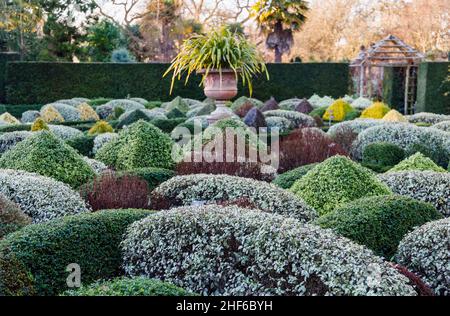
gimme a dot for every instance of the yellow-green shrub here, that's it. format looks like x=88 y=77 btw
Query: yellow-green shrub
x=376 y=111
x=100 y=127
x=49 y=114
x=39 y=125
x=337 y=111
x=8 y=118
x=394 y=116
x=87 y=113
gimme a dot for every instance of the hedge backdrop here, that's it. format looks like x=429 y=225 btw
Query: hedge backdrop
x=433 y=92
x=43 y=82
x=4 y=59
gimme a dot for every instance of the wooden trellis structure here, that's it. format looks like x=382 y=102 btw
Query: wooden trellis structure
x=368 y=69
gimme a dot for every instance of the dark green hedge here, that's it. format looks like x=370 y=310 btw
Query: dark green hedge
x=394 y=88
x=34 y=82
x=5 y=58
x=33 y=260
x=17 y=110
x=433 y=95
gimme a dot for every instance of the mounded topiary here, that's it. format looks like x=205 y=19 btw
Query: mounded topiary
x=140 y=145
x=297 y=119
x=68 y=112
x=10 y=139
x=39 y=197
x=39 y=125
x=382 y=156
x=175 y=113
x=42 y=252
x=82 y=144
x=51 y=115
x=45 y=154
x=100 y=127
x=185 y=190
x=427 y=186
x=11 y=217
x=87 y=113
x=139 y=286
x=236 y=251
x=425 y=251
x=8 y=119
x=335 y=181
x=417 y=162
x=287 y=179
x=395 y=116
x=337 y=111
x=132 y=117
x=177 y=103
x=241 y=101
x=376 y=111
x=270 y=105
x=379 y=222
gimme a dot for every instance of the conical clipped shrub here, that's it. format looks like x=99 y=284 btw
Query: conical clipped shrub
x=132 y=117
x=87 y=113
x=376 y=111
x=337 y=111
x=51 y=115
x=179 y=104
x=175 y=113
x=100 y=127
x=39 y=125
x=8 y=118
x=43 y=153
x=335 y=181
x=239 y=102
x=417 y=162
x=394 y=116
x=140 y=145
x=379 y=222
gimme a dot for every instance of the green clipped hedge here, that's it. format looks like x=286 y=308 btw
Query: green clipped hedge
x=394 y=88
x=380 y=222
x=139 y=286
x=153 y=176
x=432 y=94
x=33 y=260
x=4 y=59
x=44 y=82
x=336 y=181
x=382 y=156
x=82 y=144
x=287 y=179
x=17 y=110
x=45 y=154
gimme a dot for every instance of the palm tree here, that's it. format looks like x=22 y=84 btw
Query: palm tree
x=279 y=19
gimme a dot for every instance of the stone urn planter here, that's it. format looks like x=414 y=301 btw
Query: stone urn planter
x=220 y=88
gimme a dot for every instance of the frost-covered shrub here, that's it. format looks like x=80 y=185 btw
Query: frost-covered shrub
x=68 y=112
x=379 y=222
x=30 y=116
x=41 y=253
x=108 y=108
x=335 y=181
x=8 y=119
x=403 y=135
x=11 y=217
x=376 y=111
x=417 y=162
x=297 y=119
x=425 y=251
x=96 y=165
x=138 y=146
x=122 y=55
x=318 y=102
x=355 y=126
x=337 y=111
x=427 y=186
x=281 y=124
x=239 y=102
x=101 y=140
x=131 y=117
x=236 y=251
x=177 y=103
x=428 y=118
x=50 y=115
x=349 y=99
x=140 y=100
x=65 y=132
x=289 y=104
x=40 y=197
x=361 y=103
x=45 y=154
x=185 y=190
x=139 y=286
x=9 y=140
x=192 y=102
x=445 y=126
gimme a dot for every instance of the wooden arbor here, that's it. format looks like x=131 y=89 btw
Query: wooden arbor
x=369 y=67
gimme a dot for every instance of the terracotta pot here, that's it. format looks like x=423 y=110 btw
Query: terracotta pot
x=220 y=89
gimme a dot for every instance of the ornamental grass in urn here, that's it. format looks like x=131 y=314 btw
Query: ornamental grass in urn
x=221 y=57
